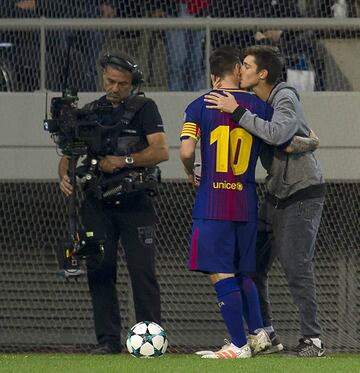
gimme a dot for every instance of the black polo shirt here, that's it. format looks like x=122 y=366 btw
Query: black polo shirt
x=146 y=121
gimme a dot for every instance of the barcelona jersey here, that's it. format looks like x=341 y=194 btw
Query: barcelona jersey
x=228 y=159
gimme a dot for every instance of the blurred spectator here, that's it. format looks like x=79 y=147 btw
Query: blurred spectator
x=157 y=64
x=185 y=50
x=24 y=54
x=336 y=9
x=21 y=48
x=325 y=8
x=300 y=48
x=251 y=9
x=85 y=48
x=141 y=44
x=231 y=9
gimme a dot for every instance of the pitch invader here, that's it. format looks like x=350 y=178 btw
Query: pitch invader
x=225 y=210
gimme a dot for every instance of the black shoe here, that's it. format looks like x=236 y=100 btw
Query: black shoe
x=276 y=345
x=307 y=348
x=106 y=349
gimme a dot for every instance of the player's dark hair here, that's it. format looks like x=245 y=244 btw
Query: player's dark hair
x=223 y=60
x=267 y=58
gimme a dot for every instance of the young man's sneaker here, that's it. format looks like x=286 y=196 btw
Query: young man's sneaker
x=307 y=348
x=209 y=352
x=259 y=342
x=276 y=345
x=231 y=352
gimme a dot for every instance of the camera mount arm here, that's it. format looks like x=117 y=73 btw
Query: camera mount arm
x=73 y=223
x=70 y=42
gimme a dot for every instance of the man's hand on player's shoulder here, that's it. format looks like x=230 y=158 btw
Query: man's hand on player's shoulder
x=225 y=102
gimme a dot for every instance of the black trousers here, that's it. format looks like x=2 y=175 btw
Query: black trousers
x=134 y=226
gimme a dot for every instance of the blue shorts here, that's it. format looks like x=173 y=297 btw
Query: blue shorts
x=222 y=246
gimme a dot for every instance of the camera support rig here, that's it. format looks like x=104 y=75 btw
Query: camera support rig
x=80 y=244
x=69 y=128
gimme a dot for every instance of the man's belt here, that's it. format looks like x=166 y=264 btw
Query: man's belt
x=313 y=191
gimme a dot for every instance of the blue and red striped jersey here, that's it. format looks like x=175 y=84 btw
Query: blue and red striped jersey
x=228 y=159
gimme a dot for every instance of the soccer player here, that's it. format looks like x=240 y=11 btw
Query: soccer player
x=225 y=210
x=290 y=216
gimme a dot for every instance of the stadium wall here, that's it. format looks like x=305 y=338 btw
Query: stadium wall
x=39 y=311
x=27 y=152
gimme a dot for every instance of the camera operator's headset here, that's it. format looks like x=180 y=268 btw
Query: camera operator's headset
x=137 y=75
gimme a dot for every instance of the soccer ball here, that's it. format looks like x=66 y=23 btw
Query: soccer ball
x=147 y=339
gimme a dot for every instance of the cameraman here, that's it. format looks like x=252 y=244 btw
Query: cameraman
x=130 y=218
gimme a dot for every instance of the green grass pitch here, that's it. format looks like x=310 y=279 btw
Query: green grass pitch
x=124 y=363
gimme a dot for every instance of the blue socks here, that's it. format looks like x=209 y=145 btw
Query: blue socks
x=251 y=304
x=231 y=308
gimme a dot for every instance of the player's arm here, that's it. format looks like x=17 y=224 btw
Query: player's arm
x=300 y=144
x=190 y=135
x=282 y=127
x=187 y=156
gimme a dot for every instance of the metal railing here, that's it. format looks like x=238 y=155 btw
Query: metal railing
x=207 y=23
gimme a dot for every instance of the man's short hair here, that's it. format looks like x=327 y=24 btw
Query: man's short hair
x=223 y=61
x=124 y=62
x=267 y=58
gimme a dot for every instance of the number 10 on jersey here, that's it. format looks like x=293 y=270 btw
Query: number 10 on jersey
x=239 y=141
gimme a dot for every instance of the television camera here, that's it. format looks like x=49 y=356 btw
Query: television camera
x=75 y=131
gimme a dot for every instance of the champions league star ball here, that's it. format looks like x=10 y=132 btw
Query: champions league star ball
x=147 y=339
